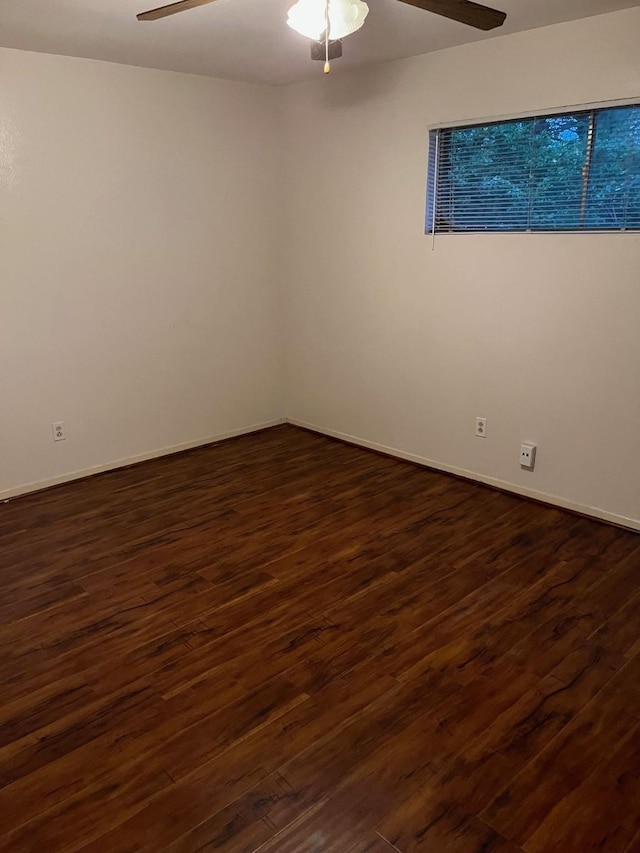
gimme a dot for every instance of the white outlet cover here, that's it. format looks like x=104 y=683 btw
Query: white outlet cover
x=527 y=455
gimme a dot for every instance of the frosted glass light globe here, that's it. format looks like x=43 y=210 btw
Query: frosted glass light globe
x=345 y=17
x=308 y=17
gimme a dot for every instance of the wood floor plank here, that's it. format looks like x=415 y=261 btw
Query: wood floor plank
x=371 y=843
x=228 y=776
x=576 y=826
x=282 y=642
x=579 y=749
x=446 y=829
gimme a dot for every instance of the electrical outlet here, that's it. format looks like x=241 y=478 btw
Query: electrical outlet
x=58 y=431
x=527 y=455
x=481 y=427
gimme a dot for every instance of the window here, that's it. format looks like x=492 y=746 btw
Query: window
x=577 y=171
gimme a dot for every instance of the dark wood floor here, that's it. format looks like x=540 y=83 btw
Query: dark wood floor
x=284 y=643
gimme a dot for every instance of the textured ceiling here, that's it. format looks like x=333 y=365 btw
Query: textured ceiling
x=248 y=39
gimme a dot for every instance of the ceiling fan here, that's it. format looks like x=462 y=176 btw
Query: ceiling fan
x=327 y=22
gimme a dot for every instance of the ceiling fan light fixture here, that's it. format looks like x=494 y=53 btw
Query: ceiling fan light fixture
x=308 y=17
x=345 y=17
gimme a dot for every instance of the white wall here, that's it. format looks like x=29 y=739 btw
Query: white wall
x=138 y=287
x=401 y=346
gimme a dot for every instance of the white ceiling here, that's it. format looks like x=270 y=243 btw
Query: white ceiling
x=248 y=39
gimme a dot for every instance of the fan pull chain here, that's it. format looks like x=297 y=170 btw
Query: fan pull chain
x=327 y=67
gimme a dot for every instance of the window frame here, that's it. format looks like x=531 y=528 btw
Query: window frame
x=433 y=166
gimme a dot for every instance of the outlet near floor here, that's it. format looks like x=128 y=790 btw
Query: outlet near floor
x=527 y=455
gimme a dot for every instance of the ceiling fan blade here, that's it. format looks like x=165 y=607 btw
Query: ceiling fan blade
x=473 y=14
x=172 y=9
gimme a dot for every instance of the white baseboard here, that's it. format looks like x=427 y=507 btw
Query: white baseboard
x=17 y=491
x=555 y=500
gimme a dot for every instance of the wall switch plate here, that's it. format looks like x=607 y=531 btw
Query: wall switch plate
x=527 y=455
x=481 y=427
x=58 y=431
